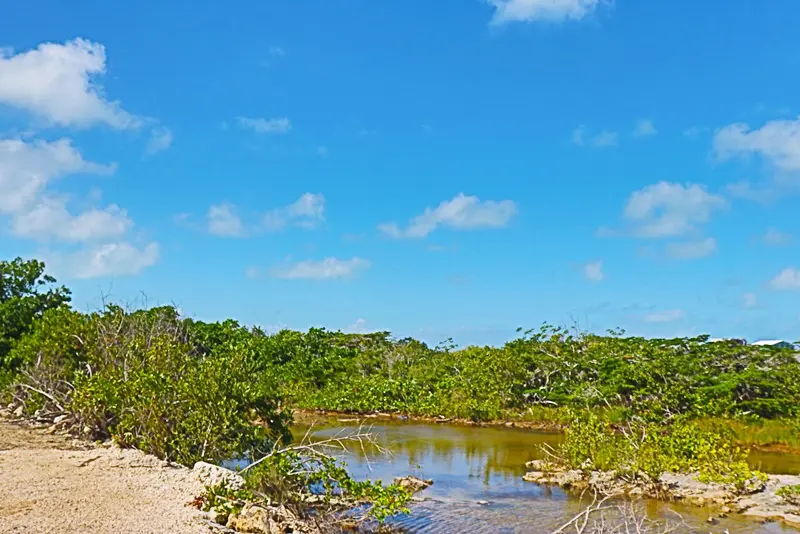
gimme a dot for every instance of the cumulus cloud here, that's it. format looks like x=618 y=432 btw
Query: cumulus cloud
x=461 y=213
x=593 y=271
x=777 y=142
x=265 y=126
x=27 y=167
x=111 y=260
x=506 y=11
x=666 y=316
x=58 y=82
x=224 y=221
x=327 y=269
x=670 y=209
x=645 y=128
x=787 y=280
x=692 y=249
x=51 y=220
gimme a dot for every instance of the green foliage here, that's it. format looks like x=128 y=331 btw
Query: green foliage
x=25 y=294
x=649 y=450
x=137 y=377
x=790 y=494
x=223 y=499
x=296 y=477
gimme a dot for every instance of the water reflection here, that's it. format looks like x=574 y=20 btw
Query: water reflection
x=473 y=466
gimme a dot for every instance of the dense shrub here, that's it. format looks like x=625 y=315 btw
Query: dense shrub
x=641 y=449
x=136 y=377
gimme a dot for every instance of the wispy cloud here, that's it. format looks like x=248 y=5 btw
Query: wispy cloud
x=666 y=316
x=604 y=139
x=326 y=269
x=749 y=300
x=265 y=126
x=226 y=220
x=160 y=140
x=593 y=271
x=461 y=213
x=645 y=128
x=775 y=238
x=692 y=249
x=506 y=11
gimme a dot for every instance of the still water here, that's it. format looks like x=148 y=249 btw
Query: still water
x=472 y=465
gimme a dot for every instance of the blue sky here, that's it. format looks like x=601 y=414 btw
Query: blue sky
x=457 y=168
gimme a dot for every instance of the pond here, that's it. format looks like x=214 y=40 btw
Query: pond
x=474 y=465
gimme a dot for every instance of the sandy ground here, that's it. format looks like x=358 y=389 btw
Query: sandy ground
x=52 y=484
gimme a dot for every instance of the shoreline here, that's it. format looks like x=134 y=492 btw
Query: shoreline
x=759 y=501
x=547 y=427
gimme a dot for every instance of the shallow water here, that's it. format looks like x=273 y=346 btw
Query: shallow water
x=470 y=464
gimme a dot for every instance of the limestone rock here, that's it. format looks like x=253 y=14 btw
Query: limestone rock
x=413 y=484
x=254 y=519
x=211 y=475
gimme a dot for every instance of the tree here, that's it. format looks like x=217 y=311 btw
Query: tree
x=25 y=294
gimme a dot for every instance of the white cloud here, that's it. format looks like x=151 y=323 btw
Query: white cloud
x=605 y=139
x=666 y=316
x=308 y=211
x=58 y=83
x=259 y=125
x=692 y=249
x=358 y=327
x=750 y=300
x=694 y=131
x=774 y=237
x=26 y=168
x=50 y=220
x=223 y=221
x=578 y=135
x=541 y=10
x=645 y=128
x=787 y=280
x=276 y=51
x=323 y=152
x=460 y=213
x=112 y=259
x=593 y=271
x=670 y=209
x=745 y=190
x=778 y=142
x=252 y=273
x=327 y=269
x=160 y=140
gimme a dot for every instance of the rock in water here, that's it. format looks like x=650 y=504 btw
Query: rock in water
x=413 y=484
x=212 y=475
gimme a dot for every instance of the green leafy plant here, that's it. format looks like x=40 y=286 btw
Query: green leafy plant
x=790 y=494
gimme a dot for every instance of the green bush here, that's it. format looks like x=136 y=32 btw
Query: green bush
x=136 y=377
x=642 y=449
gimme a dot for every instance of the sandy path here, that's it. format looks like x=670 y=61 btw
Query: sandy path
x=51 y=484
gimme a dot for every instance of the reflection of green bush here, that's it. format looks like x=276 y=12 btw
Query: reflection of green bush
x=648 y=449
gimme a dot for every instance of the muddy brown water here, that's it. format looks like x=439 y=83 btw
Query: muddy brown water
x=472 y=466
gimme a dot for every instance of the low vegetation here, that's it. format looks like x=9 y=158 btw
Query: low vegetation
x=641 y=452
x=186 y=390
